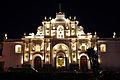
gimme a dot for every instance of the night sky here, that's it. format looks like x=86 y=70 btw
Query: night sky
x=18 y=16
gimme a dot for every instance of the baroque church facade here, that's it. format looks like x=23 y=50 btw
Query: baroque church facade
x=59 y=43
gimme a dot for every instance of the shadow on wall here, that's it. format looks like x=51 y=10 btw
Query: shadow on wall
x=1 y=66
x=1 y=48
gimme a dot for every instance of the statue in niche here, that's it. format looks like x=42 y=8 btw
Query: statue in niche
x=80 y=30
x=40 y=30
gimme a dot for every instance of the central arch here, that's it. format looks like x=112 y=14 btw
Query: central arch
x=60 y=54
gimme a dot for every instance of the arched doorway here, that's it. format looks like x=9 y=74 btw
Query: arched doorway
x=83 y=63
x=37 y=63
x=61 y=60
x=60 y=55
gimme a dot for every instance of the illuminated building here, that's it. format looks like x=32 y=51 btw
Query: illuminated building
x=60 y=42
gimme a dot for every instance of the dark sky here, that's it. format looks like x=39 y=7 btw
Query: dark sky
x=19 y=16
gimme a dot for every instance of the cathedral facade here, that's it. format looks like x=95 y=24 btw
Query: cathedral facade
x=59 y=43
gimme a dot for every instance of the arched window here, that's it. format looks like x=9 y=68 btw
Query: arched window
x=18 y=49
x=60 y=31
x=103 y=47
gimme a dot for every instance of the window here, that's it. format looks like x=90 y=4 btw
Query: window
x=18 y=48
x=60 y=31
x=37 y=48
x=103 y=47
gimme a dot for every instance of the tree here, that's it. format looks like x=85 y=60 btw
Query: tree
x=93 y=56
